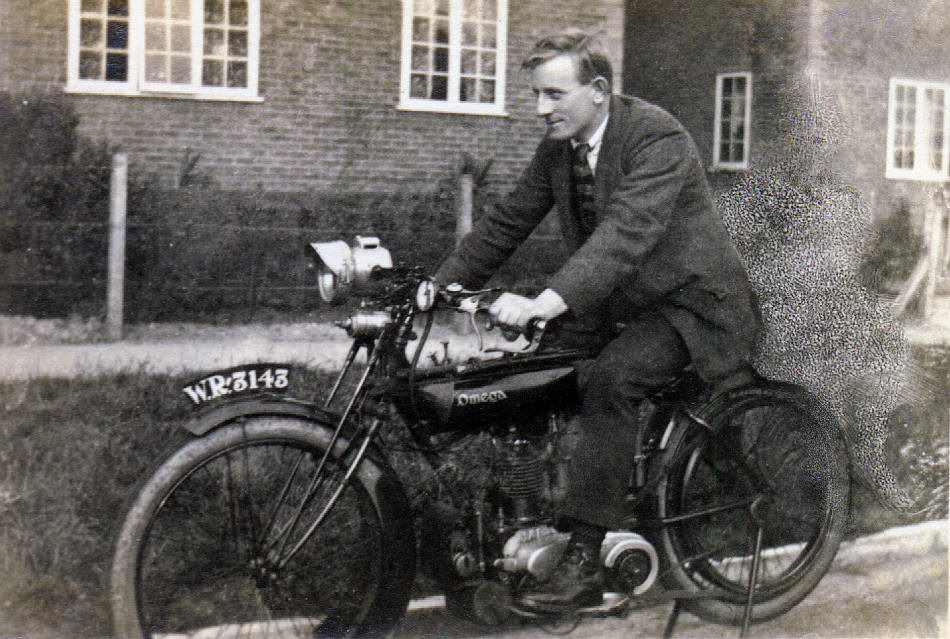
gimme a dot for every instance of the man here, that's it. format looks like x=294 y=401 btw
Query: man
x=647 y=248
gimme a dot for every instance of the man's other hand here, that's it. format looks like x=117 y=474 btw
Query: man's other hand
x=516 y=310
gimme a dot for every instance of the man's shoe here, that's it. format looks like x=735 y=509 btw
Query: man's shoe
x=577 y=582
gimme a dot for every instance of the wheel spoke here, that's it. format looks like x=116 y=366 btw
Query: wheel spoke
x=203 y=568
x=707 y=512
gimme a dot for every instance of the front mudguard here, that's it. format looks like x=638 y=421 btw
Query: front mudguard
x=206 y=421
x=229 y=412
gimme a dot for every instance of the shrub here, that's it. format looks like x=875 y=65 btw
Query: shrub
x=893 y=251
x=53 y=209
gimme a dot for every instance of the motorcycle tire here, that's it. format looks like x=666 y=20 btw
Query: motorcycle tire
x=216 y=540
x=773 y=460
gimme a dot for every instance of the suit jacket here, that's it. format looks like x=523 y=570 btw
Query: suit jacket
x=658 y=243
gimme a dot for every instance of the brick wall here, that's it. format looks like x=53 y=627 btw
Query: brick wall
x=851 y=48
x=864 y=43
x=329 y=78
x=675 y=48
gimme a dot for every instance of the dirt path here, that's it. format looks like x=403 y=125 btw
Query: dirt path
x=324 y=347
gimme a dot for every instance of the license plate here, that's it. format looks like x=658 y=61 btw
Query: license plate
x=250 y=379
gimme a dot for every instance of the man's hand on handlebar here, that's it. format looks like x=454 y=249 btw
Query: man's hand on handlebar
x=516 y=310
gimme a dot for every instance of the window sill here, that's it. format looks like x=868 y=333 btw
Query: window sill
x=125 y=92
x=728 y=168
x=915 y=177
x=458 y=109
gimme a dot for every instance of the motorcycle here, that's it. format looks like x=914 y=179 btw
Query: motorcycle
x=288 y=517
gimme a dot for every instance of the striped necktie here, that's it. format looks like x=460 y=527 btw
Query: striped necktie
x=584 y=188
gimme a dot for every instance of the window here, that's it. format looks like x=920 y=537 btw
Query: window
x=731 y=132
x=917 y=130
x=453 y=56
x=204 y=49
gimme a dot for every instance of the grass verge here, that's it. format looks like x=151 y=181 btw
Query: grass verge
x=74 y=451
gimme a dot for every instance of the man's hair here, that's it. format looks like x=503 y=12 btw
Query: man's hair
x=588 y=52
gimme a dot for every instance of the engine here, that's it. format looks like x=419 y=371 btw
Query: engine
x=507 y=535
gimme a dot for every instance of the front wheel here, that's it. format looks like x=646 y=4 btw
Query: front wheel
x=226 y=539
x=775 y=470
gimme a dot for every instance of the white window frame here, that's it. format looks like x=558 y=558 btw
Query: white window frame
x=135 y=84
x=921 y=170
x=717 y=162
x=452 y=104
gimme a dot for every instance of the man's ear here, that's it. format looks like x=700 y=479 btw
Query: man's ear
x=602 y=87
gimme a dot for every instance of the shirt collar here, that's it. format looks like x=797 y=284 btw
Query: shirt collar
x=596 y=138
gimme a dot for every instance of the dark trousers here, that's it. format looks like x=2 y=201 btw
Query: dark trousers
x=647 y=355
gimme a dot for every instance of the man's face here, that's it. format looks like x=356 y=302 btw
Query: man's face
x=569 y=108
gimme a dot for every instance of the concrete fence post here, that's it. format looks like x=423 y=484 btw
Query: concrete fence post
x=118 y=190
x=463 y=224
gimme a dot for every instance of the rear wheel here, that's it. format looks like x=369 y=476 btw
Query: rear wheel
x=777 y=467
x=225 y=539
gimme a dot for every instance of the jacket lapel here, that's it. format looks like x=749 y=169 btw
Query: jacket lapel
x=608 y=162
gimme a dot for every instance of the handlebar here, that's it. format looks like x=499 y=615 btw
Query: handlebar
x=476 y=304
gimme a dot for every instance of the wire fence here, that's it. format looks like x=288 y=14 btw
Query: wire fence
x=172 y=271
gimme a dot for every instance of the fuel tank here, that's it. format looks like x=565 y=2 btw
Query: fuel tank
x=481 y=393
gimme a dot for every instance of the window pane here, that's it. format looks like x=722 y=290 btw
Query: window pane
x=155 y=68
x=489 y=9
x=237 y=14
x=440 y=87
x=726 y=109
x=418 y=86
x=214 y=42
x=469 y=61
x=181 y=69
x=740 y=86
x=736 y=153
x=422 y=7
x=738 y=130
x=90 y=33
x=469 y=34
x=237 y=43
x=91 y=6
x=181 y=9
x=467 y=90
x=727 y=88
x=155 y=8
x=420 y=29
x=155 y=38
x=118 y=7
x=237 y=74
x=723 y=152
x=442 y=7
x=470 y=9
x=488 y=36
x=487 y=93
x=181 y=38
x=116 y=66
x=441 y=31
x=420 y=58
x=117 y=35
x=212 y=73
x=440 y=59
x=488 y=63
x=214 y=11
x=90 y=65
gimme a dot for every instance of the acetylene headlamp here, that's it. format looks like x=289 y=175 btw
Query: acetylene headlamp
x=344 y=270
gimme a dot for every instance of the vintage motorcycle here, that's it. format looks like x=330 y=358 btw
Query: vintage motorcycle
x=285 y=517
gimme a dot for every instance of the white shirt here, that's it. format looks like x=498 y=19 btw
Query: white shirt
x=594 y=143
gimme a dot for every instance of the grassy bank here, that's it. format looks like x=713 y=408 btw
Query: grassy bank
x=73 y=452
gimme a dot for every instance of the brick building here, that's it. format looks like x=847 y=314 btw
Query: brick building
x=877 y=72
x=296 y=95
